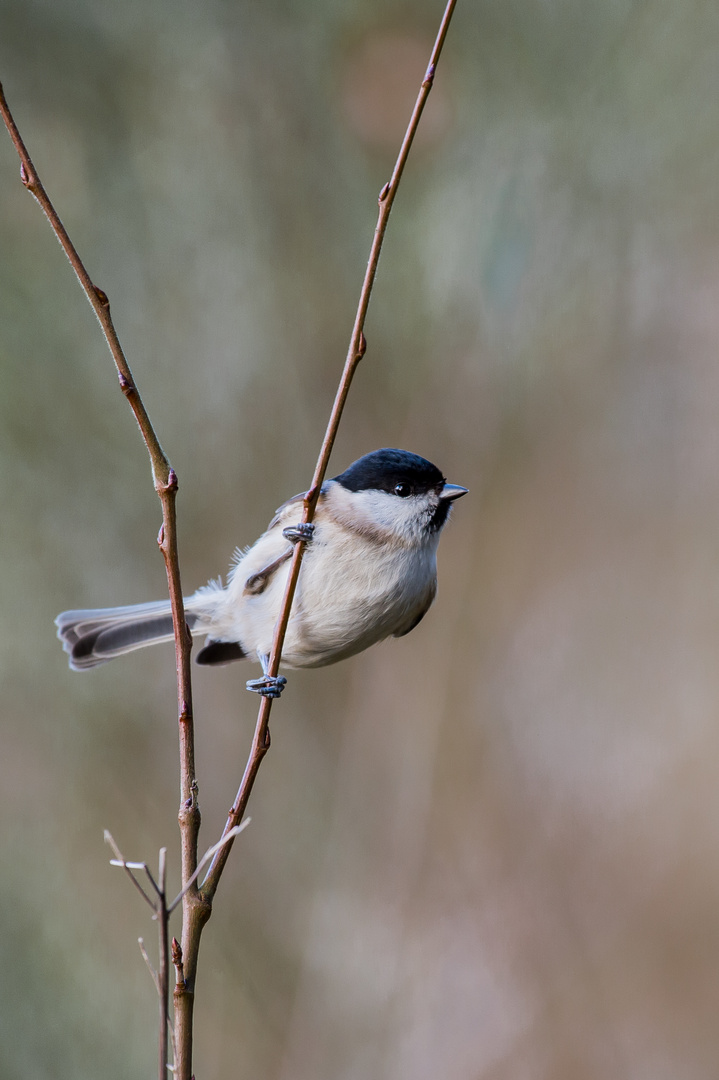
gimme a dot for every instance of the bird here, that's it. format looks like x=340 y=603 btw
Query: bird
x=369 y=572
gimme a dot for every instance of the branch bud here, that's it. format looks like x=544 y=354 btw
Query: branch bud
x=176 y=952
x=126 y=386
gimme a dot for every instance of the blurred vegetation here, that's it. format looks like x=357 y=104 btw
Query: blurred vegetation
x=488 y=850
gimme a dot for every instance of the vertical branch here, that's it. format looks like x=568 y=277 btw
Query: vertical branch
x=165 y=482
x=163 y=974
x=357 y=347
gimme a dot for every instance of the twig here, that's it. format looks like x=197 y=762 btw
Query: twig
x=155 y=979
x=163 y=974
x=128 y=867
x=148 y=961
x=161 y=978
x=195 y=911
x=357 y=347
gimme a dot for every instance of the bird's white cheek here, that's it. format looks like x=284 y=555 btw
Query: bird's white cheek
x=381 y=515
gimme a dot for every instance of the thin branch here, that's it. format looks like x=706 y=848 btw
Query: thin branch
x=98 y=299
x=150 y=968
x=357 y=347
x=164 y=477
x=155 y=978
x=163 y=974
x=128 y=867
x=195 y=912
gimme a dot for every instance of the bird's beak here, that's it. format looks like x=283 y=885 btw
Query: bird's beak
x=452 y=491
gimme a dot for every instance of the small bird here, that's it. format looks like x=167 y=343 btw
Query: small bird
x=369 y=572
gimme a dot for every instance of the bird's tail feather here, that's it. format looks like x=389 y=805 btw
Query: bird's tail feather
x=93 y=636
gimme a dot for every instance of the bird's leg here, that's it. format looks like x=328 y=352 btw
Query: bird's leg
x=269 y=685
x=295 y=533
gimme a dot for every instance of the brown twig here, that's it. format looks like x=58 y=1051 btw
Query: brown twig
x=161 y=977
x=165 y=481
x=129 y=868
x=163 y=973
x=357 y=347
x=195 y=910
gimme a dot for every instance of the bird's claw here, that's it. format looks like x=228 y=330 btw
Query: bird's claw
x=270 y=686
x=302 y=531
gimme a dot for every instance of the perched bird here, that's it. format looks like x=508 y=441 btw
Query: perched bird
x=369 y=572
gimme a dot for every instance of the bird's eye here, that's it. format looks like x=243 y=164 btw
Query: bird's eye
x=403 y=490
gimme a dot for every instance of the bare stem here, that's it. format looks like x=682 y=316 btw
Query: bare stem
x=163 y=974
x=148 y=961
x=195 y=912
x=356 y=350
x=129 y=868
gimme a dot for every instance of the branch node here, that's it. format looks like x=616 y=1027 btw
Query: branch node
x=170 y=486
x=126 y=386
x=101 y=296
x=384 y=192
x=161 y=536
x=429 y=77
x=26 y=179
x=361 y=346
x=190 y=804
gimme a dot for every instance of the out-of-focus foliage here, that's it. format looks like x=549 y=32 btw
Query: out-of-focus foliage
x=489 y=850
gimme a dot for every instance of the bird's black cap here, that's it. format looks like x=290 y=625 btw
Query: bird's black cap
x=383 y=470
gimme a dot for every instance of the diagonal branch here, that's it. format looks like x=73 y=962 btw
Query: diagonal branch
x=129 y=867
x=165 y=481
x=195 y=913
x=357 y=346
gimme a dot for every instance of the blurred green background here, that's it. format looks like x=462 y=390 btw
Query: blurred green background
x=488 y=851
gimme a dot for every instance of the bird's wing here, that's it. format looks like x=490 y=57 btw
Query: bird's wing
x=257 y=583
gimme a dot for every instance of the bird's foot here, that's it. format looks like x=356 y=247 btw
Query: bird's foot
x=268 y=685
x=294 y=533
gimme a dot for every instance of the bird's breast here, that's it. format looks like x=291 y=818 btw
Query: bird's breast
x=352 y=593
